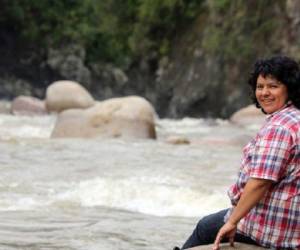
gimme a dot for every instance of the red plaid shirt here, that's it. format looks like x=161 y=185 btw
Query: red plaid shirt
x=274 y=154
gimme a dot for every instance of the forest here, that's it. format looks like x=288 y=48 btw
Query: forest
x=116 y=31
x=188 y=57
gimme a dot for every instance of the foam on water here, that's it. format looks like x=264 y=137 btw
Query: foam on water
x=150 y=198
x=154 y=197
x=112 y=194
x=16 y=127
x=154 y=178
x=184 y=126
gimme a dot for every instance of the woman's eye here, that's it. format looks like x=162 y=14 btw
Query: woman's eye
x=259 y=87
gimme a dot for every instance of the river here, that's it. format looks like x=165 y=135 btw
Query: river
x=112 y=194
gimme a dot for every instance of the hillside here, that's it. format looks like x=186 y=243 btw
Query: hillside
x=188 y=58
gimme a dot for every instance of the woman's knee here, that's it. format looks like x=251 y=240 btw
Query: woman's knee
x=208 y=227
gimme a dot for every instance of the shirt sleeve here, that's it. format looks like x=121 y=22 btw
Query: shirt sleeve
x=271 y=153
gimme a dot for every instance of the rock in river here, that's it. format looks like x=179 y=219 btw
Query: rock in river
x=129 y=117
x=62 y=95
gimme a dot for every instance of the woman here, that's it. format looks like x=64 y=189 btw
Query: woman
x=266 y=196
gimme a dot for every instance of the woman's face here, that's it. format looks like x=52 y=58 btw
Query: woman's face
x=271 y=94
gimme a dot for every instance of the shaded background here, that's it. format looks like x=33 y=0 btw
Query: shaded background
x=187 y=57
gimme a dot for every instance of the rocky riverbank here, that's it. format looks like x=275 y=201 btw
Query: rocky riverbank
x=80 y=115
x=204 y=75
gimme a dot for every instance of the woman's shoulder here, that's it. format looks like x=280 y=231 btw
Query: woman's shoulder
x=285 y=122
x=288 y=117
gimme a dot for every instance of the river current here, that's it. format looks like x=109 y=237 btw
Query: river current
x=112 y=194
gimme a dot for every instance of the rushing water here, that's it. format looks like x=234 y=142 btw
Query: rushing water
x=112 y=194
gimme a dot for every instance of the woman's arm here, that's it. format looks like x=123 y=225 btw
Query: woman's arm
x=253 y=192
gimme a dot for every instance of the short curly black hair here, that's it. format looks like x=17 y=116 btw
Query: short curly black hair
x=283 y=69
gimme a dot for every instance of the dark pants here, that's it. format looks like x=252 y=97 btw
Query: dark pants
x=207 y=230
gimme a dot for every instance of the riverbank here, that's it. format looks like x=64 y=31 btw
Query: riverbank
x=203 y=74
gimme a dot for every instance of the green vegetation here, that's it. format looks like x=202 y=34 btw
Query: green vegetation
x=124 y=31
x=115 y=31
x=242 y=29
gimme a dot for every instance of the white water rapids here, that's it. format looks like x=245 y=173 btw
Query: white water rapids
x=112 y=194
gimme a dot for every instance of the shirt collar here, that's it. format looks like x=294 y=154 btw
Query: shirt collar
x=288 y=104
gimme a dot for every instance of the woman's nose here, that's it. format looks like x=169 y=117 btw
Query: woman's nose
x=265 y=91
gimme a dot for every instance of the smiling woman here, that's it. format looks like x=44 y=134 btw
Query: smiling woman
x=271 y=94
x=274 y=82
x=265 y=198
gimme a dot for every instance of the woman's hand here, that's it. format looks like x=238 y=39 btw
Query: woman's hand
x=227 y=231
x=254 y=191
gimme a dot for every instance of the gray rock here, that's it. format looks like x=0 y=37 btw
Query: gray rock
x=120 y=77
x=62 y=95
x=177 y=140
x=69 y=62
x=226 y=246
x=290 y=39
x=12 y=86
x=110 y=75
x=28 y=105
x=127 y=117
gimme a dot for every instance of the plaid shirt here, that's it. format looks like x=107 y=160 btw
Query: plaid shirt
x=274 y=154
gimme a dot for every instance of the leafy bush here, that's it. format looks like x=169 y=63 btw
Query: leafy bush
x=241 y=29
x=112 y=30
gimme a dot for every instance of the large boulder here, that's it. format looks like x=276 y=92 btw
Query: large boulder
x=62 y=95
x=248 y=117
x=28 y=105
x=226 y=246
x=129 y=117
